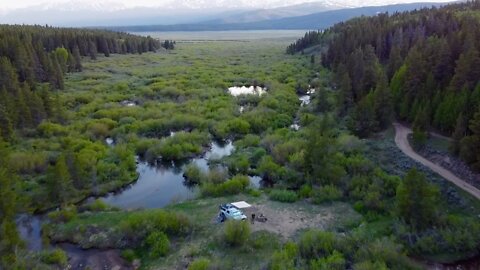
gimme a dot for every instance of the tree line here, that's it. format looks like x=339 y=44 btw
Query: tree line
x=422 y=66
x=34 y=60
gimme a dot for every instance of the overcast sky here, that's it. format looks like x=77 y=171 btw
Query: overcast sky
x=12 y=4
x=121 y=12
x=15 y=4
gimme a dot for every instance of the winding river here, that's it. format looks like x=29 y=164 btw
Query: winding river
x=158 y=185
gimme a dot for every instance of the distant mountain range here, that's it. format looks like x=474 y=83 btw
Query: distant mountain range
x=277 y=13
x=319 y=20
x=232 y=14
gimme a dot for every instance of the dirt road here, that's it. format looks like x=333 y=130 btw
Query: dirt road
x=401 y=139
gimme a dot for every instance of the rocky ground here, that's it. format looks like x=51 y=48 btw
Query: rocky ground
x=452 y=163
x=383 y=151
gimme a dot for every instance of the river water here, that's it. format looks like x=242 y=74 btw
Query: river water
x=158 y=185
x=161 y=184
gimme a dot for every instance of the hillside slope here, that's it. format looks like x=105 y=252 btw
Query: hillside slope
x=425 y=65
x=313 y=21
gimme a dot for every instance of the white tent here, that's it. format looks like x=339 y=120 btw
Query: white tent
x=241 y=205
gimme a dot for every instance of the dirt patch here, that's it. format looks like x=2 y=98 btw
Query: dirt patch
x=94 y=259
x=287 y=220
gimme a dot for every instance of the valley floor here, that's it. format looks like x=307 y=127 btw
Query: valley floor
x=157 y=115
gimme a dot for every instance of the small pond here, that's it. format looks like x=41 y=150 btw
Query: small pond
x=305 y=100
x=161 y=184
x=247 y=90
x=295 y=126
x=128 y=103
x=109 y=141
x=30 y=229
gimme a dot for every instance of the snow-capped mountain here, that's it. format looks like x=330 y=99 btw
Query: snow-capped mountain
x=81 y=5
x=142 y=12
x=279 y=12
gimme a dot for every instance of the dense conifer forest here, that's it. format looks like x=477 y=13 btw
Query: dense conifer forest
x=31 y=56
x=424 y=65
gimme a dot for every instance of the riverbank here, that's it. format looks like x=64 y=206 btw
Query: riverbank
x=284 y=222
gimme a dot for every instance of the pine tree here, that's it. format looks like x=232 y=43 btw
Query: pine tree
x=77 y=59
x=24 y=115
x=417 y=200
x=470 y=145
x=395 y=61
x=9 y=238
x=59 y=181
x=8 y=76
x=467 y=71
x=382 y=102
x=37 y=109
x=92 y=50
x=61 y=54
x=345 y=98
x=459 y=133
x=6 y=127
x=56 y=72
x=322 y=165
x=363 y=119
x=322 y=103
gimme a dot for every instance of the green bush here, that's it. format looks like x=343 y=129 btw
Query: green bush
x=143 y=145
x=283 y=195
x=419 y=138
x=63 y=215
x=269 y=170
x=98 y=130
x=181 y=146
x=239 y=164
x=48 y=129
x=336 y=261
x=216 y=175
x=314 y=244
x=129 y=255
x=138 y=225
x=263 y=240
x=98 y=206
x=236 y=185
x=327 y=193
x=199 y=264
x=193 y=174
x=255 y=192
x=285 y=258
x=236 y=232
x=249 y=140
x=384 y=250
x=56 y=256
x=158 y=244
x=28 y=162
x=305 y=191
